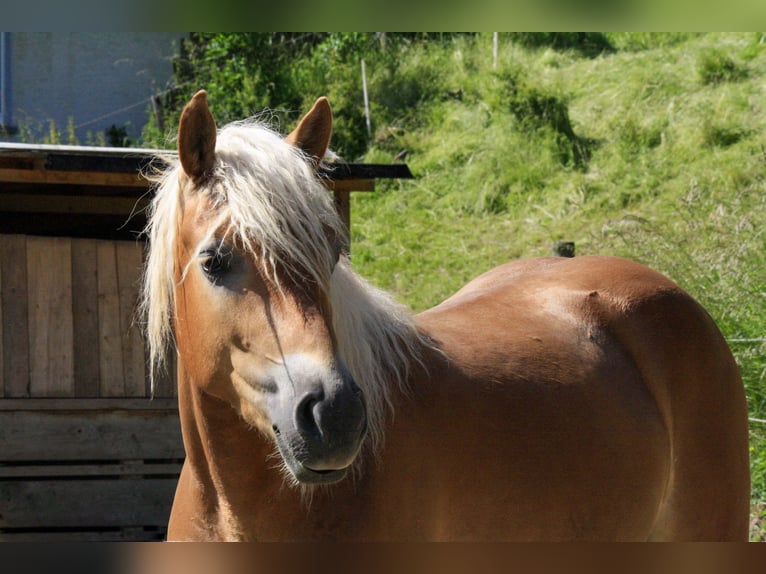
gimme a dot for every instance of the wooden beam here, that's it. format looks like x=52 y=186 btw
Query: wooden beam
x=73 y=177
x=91 y=225
x=86 y=503
x=88 y=404
x=342 y=170
x=121 y=468
x=58 y=436
x=34 y=203
x=350 y=184
x=154 y=534
x=115 y=174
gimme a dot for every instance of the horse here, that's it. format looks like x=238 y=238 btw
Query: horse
x=585 y=398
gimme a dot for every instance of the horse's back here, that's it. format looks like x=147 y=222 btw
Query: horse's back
x=609 y=398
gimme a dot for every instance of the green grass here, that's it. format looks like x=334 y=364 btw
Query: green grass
x=654 y=150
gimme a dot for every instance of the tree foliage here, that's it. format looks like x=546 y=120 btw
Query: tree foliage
x=246 y=74
x=284 y=72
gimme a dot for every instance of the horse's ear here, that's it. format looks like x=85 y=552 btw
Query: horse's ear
x=196 y=137
x=313 y=132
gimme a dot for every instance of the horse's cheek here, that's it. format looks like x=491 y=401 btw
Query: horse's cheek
x=203 y=332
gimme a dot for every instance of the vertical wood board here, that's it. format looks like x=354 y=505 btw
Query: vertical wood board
x=129 y=265
x=112 y=380
x=15 y=333
x=85 y=310
x=51 y=336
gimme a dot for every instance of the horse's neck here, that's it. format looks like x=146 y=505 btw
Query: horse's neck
x=231 y=487
x=226 y=464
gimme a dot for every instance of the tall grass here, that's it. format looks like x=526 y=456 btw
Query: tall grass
x=653 y=150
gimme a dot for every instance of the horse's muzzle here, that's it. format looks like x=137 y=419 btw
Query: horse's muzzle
x=319 y=420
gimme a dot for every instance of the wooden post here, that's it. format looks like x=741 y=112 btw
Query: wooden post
x=342 y=189
x=343 y=207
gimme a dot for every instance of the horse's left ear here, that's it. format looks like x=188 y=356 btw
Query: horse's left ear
x=313 y=132
x=196 y=137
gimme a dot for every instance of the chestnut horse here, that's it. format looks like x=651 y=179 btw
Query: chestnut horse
x=549 y=399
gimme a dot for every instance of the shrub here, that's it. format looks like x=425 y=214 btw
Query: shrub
x=537 y=108
x=589 y=44
x=715 y=67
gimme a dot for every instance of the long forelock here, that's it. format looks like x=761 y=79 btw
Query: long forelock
x=275 y=202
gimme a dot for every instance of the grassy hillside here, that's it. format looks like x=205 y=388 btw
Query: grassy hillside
x=654 y=148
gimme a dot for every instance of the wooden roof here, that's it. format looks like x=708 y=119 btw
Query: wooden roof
x=82 y=191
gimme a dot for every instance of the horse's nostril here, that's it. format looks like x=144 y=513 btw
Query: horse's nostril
x=305 y=419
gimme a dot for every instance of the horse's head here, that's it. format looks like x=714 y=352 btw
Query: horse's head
x=249 y=237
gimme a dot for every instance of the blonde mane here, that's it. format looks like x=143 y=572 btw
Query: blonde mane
x=270 y=198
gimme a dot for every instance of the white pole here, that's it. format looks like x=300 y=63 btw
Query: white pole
x=366 y=100
x=494 y=50
x=5 y=89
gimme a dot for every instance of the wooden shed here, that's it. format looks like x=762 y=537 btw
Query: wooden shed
x=85 y=451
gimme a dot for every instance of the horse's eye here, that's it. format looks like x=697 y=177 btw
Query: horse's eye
x=216 y=263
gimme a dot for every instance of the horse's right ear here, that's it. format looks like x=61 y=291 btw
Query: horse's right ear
x=196 y=137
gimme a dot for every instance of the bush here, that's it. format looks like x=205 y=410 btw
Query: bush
x=640 y=41
x=590 y=44
x=715 y=67
x=535 y=108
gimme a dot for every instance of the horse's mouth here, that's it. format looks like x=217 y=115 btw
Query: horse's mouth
x=302 y=473
x=307 y=475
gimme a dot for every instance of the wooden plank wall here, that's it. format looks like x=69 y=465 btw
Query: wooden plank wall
x=87 y=469
x=68 y=319
x=85 y=453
